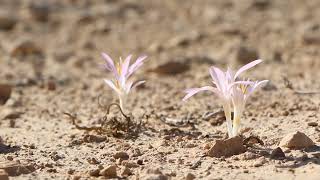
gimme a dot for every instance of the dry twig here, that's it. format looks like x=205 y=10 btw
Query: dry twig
x=111 y=125
x=288 y=84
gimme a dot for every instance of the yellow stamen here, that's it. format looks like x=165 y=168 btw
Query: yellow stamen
x=118 y=67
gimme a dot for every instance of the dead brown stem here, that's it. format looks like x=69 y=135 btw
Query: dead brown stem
x=288 y=84
x=112 y=125
x=73 y=120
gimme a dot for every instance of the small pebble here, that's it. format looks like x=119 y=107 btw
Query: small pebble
x=190 y=176
x=313 y=124
x=121 y=155
x=94 y=172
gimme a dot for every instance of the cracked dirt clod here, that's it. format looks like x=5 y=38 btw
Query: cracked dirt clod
x=228 y=147
x=296 y=140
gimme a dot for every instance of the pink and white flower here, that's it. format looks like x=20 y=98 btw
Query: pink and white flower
x=122 y=71
x=240 y=94
x=224 y=85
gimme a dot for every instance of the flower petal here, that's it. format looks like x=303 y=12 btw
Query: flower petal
x=229 y=75
x=246 y=67
x=131 y=85
x=139 y=62
x=138 y=83
x=192 y=91
x=111 y=84
x=128 y=87
x=124 y=70
x=110 y=64
x=256 y=85
x=218 y=77
x=125 y=66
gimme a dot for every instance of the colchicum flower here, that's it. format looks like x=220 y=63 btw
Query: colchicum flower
x=121 y=71
x=227 y=89
x=240 y=94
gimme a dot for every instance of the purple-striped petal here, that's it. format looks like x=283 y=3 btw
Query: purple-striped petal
x=125 y=66
x=137 y=84
x=128 y=87
x=139 y=62
x=218 y=77
x=111 y=84
x=256 y=85
x=192 y=91
x=246 y=67
x=110 y=64
x=131 y=85
x=124 y=70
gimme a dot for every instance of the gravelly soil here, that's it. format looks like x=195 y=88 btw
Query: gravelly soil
x=50 y=55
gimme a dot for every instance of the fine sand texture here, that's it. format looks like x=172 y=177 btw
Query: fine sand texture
x=53 y=99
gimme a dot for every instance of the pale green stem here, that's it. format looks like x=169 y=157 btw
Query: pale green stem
x=236 y=122
x=227 y=112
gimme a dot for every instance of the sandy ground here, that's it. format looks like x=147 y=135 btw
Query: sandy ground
x=50 y=55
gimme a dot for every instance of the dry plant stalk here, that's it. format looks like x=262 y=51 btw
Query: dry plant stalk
x=110 y=126
x=288 y=84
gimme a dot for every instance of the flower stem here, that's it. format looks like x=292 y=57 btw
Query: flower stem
x=236 y=122
x=121 y=102
x=227 y=112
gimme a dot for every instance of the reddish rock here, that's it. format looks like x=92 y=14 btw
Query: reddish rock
x=110 y=171
x=227 y=147
x=296 y=140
